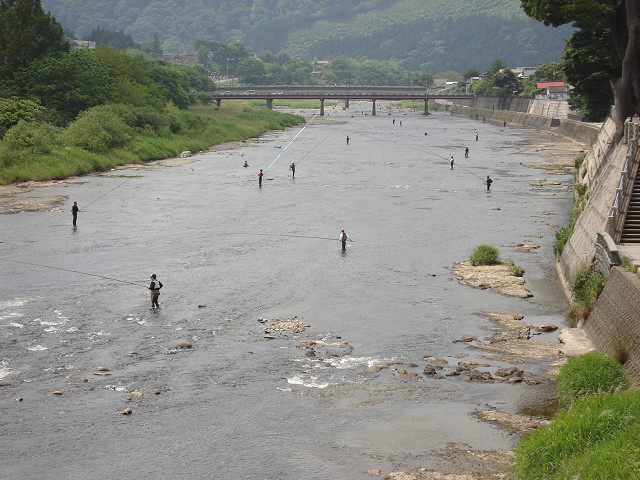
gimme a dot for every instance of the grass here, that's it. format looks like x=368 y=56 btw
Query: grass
x=589 y=374
x=515 y=269
x=564 y=233
x=597 y=438
x=489 y=255
x=585 y=287
x=231 y=122
x=627 y=264
x=484 y=255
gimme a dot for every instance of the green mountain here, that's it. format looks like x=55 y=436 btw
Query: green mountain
x=422 y=35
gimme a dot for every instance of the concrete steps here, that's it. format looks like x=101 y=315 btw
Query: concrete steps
x=631 y=229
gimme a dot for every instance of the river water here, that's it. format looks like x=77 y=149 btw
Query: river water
x=238 y=405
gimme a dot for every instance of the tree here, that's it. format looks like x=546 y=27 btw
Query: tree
x=589 y=67
x=422 y=79
x=27 y=33
x=495 y=66
x=14 y=109
x=619 y=20
x=471 y=72
x=251 y=70
x=507 y=83
x=66 y=83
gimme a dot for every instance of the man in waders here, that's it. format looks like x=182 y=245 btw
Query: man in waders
x=451 y=162
x=292 y=167
x=488 y=181
x=74 y=212
x=343 y=238
x=155 y=287
x=260 y=178
x=347 y=139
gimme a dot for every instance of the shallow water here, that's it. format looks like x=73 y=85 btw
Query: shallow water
x=237 y=405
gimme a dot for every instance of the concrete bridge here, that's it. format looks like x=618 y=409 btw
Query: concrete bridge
x=269 y=93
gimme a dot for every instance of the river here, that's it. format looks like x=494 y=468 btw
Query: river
x=238 y=405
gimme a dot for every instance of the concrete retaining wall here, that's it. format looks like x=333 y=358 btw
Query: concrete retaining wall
x=601 y=172
x=579 y=131
x=613 y=324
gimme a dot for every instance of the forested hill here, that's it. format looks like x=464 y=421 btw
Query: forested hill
x=423 y=35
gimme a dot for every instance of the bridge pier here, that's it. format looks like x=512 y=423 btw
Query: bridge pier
x=373 y=111
x=346 y=103
x=218 y=102
x=426 y=105
x=270 y=103
x=322 y=106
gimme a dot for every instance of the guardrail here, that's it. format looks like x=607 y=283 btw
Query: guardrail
x=631 y=137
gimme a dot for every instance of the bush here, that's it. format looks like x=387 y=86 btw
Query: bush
x=589 y=374
x=24 y=140
x=484 y=255
x=581 y=188
x=586 y=286
x=100 y=128
x=562 y=237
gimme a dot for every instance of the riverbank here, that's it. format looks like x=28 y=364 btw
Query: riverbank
x=194 y=130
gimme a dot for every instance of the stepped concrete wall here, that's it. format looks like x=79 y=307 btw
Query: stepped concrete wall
x=613 y=324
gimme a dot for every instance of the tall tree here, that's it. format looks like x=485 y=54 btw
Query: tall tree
x=27 y=33
x=619 y=19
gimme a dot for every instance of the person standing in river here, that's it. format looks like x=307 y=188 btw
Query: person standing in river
x=292 y=167
x=74 y=212
x=260 y=178
x=347 y=139
x=488 y=181
x=155 y=287
x=451 y=162
x=343 y=238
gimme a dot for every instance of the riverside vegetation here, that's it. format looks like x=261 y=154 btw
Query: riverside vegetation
x=596 y=435
x=109 y=135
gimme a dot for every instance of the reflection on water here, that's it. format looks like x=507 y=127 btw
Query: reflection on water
x=238 y=403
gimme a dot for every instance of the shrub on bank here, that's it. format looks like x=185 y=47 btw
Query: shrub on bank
x=585 y=287
x=590 y=374
x=484 y=255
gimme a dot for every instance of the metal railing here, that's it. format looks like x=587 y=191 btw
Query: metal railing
x=631 y=136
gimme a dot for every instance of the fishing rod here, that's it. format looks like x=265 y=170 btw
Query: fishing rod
x=285 y=148
x=72 y=271
x=105 y=194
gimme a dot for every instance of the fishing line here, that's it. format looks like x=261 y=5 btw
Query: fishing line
x=321 y=142
x=285 y=148
x=436 y=155
x=279 y=235
x=85 y=206
x=73 y=271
